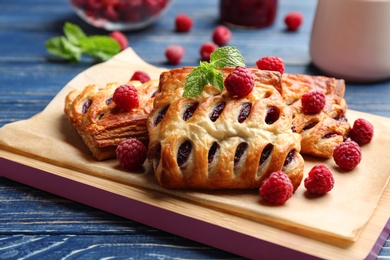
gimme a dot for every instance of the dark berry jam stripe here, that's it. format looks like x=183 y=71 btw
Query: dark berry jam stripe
x=214 y=149
x=160 y=116
x=266 y=153
x=154 y=94
x=289 y=158
x=310 y=126
x=245 y=110
x=217 y=110
x=108 y=101
x=329 y=135
x=241 y=148
x=86 y=105
x=183 y=153
x=272 y=115
x=190 y=110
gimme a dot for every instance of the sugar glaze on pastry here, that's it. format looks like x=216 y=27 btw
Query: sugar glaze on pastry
x=216 y=141
x=101 y=124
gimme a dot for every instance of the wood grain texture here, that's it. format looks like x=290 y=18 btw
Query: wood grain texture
x=37 y=225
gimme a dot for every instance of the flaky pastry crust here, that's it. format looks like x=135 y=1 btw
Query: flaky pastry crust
x=322 y=132
x=205 y=151
x=101 y=124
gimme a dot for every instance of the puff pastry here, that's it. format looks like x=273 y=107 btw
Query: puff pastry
x=216 y=141
x=322 y=132
x=101 y=124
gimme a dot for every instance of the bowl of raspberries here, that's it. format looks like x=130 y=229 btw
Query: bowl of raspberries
x=120 y=15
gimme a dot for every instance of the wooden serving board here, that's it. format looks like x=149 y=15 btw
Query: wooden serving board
x=216 y=228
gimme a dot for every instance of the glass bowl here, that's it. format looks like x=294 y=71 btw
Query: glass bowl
x=120 y=15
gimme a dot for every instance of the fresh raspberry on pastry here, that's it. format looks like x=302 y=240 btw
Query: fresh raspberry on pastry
x=219 y=141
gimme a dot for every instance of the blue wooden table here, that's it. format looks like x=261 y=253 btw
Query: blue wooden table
x=38 y=225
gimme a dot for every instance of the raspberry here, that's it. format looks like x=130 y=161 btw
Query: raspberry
x=347 y=155
x=174 y=53
x=183 y=23
x=126 y=97
x=221 y=35
x=131 y=154
x=320 y=180
x=271 y=63
x=313 y=102
x=120 y=38
x=293 y=20
x=240 y=82
x=206 y=49
x=277 y=188
x=362 y=131
x=141 y=76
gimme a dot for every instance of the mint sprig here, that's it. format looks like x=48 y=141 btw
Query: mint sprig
x=75 y=43
x=208 y=74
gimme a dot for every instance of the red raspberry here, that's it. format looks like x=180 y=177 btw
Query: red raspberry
x=362 y=131
x=293 y=20
x=141 y=76
x=131 y=154
x=183 y=23
x=221 y=35
x=320 y=180
x=347 y=155
x=174 y=53
x=313 y=102
x=271 y=63
x=240 y=82
x=120 y=38
x=277 y=188
x=206 y=49
x=126 y=97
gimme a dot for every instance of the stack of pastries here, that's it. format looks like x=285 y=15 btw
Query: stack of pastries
x=215 y=140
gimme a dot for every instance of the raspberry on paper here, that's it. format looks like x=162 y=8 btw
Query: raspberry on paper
x=174 y=53
x=347 y=155
x=131 y=154
x=320 y=180
x=240 y=82
x=126 y=97
x=293 y=20
x=273 y=63
x=362 y=131
x=140 y=76
x=313 y=102
x=277 y=188
x=183 y=23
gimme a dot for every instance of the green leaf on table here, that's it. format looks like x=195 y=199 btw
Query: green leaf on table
x=74 y=33
x=100 y=47
x=61 y=47
x=75 y=43
x=208 y=73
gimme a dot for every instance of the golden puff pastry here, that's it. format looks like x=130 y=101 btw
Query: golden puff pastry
x=101 y=124
x=216 y=141
x=322 y=132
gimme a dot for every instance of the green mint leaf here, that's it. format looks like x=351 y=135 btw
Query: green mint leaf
x=207 y=72
x=100 y=47
x=75 y=43
x=74 y=33
x=61 y=47
x=195 y=82
x=227 y=56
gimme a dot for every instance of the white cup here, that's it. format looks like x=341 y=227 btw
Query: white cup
x=350 y=39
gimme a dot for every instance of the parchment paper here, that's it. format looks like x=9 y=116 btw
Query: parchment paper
x=336 y=217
